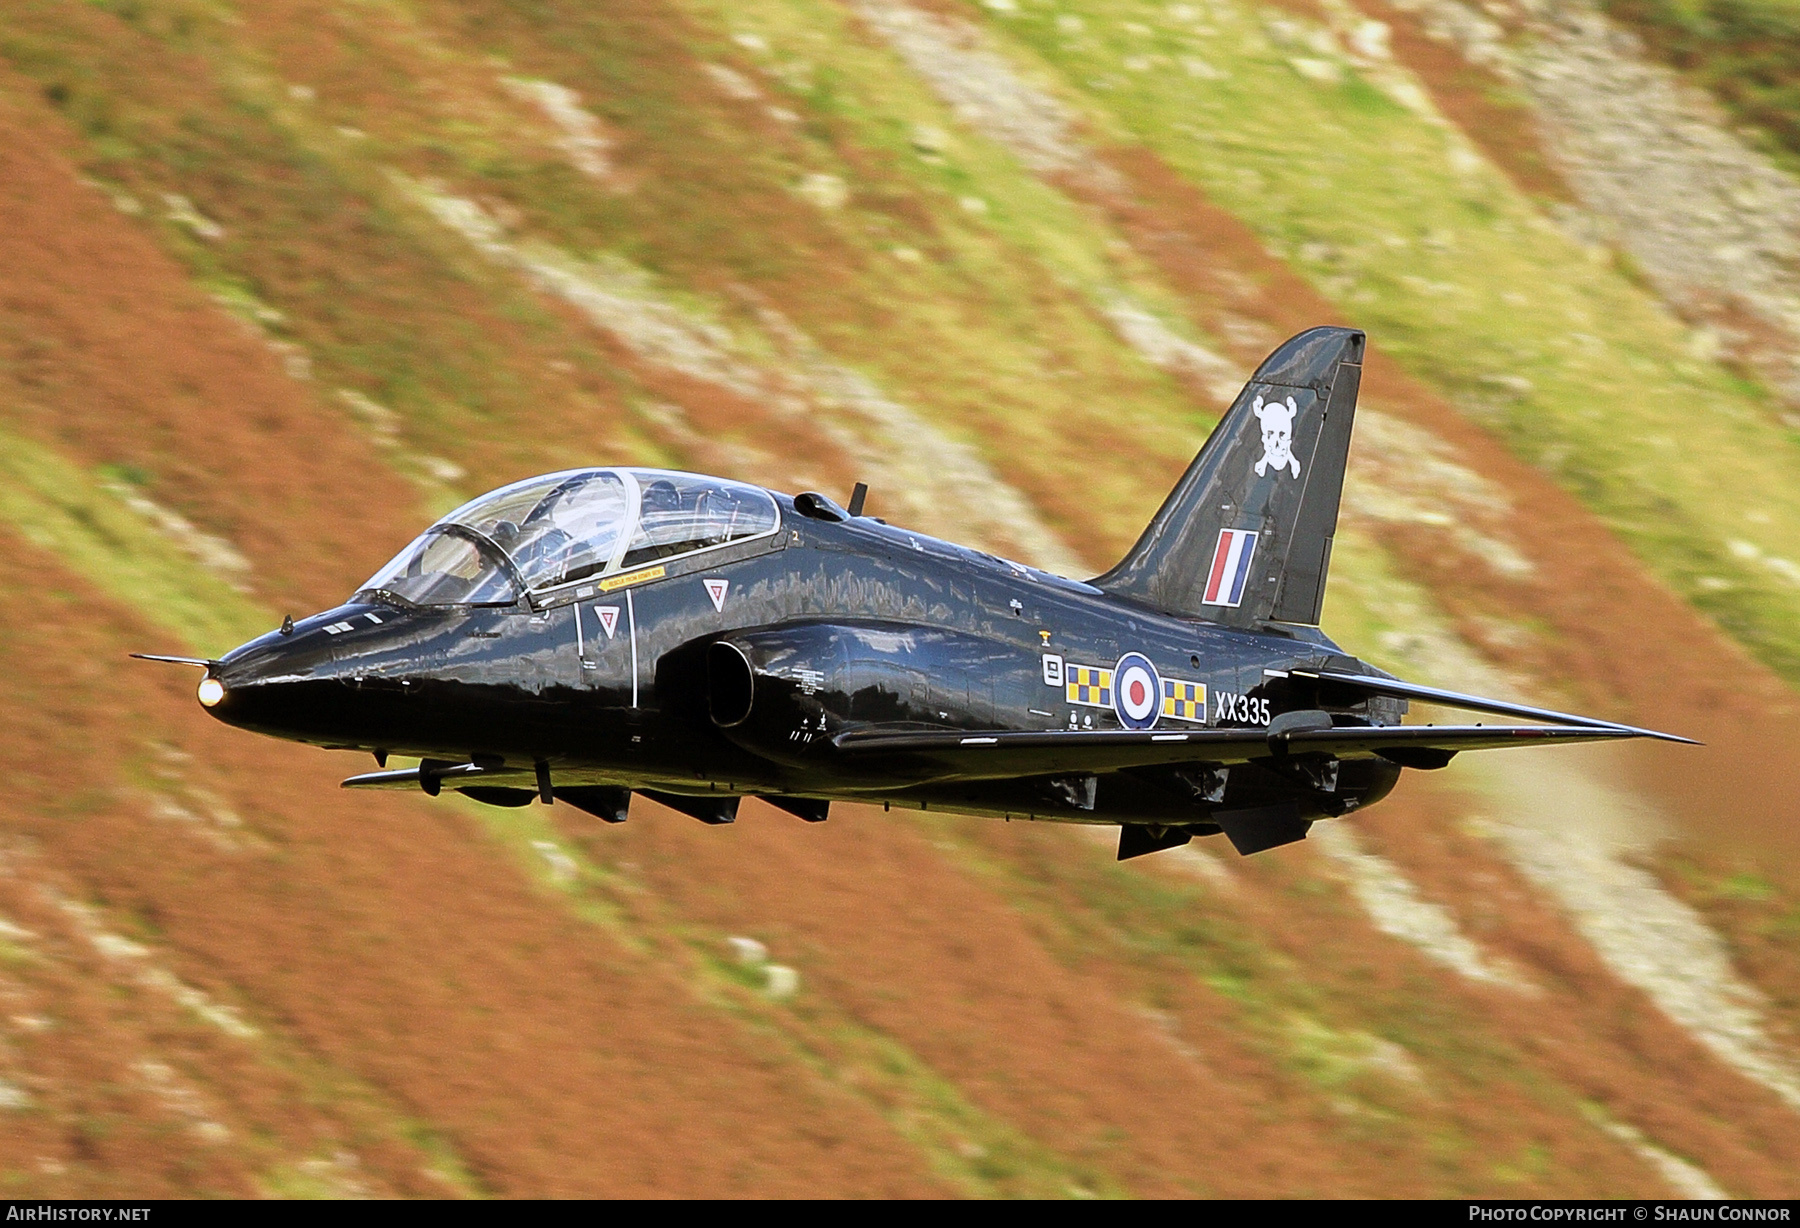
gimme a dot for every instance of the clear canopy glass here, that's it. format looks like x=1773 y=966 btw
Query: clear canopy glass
x=566 y=527
x=679 y=513
x=445 y=567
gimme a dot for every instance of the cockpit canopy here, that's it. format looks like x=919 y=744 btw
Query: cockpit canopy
x=563 y=528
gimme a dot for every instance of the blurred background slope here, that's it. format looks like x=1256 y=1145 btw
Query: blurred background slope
x=281 y=282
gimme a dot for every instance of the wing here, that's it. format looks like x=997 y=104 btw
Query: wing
x=988 y=756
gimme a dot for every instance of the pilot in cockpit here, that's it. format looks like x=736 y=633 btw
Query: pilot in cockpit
x=504 y=534
x=660 y=499
x=663 y=524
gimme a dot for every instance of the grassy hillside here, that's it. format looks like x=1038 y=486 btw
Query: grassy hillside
x=278 y=283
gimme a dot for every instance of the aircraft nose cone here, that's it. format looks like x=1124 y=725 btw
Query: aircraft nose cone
x=348 y=677
x=256 y=688
x=286 y=684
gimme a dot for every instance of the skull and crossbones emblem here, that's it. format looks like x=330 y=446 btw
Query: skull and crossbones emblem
x=1278 y=435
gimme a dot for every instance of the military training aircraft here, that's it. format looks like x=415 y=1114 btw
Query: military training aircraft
x=588 y=634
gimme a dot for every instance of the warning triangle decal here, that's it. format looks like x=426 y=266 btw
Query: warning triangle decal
x=716 y=590
x=609 y=618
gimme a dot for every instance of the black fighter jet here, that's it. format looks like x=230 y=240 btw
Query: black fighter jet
x=593 y=633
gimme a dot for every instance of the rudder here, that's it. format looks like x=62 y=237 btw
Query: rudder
x=1245 y=536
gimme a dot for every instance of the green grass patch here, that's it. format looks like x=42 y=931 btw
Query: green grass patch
x=61 y=507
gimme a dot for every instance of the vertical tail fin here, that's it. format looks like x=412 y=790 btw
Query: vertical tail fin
x=1245 y=536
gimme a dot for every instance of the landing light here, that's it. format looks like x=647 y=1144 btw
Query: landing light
x=211 y=691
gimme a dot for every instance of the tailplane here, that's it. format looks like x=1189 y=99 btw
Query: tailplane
x=1245 y=536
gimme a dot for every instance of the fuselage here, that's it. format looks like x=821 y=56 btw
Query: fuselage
x=608 y=682
x=594 y=633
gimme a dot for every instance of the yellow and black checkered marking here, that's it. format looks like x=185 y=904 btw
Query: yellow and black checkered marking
x=1089 y=685
x=1184 y=701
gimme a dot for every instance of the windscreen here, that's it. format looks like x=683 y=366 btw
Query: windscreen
x=570 y=533
x=557 y=528
x=445 y=568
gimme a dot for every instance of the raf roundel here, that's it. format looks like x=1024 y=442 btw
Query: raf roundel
x=1137 y=691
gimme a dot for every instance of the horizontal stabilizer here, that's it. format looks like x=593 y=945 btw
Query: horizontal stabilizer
x=1468 y=703
x=955 y=755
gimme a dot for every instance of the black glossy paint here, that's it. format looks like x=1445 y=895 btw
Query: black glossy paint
x=851 y=659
